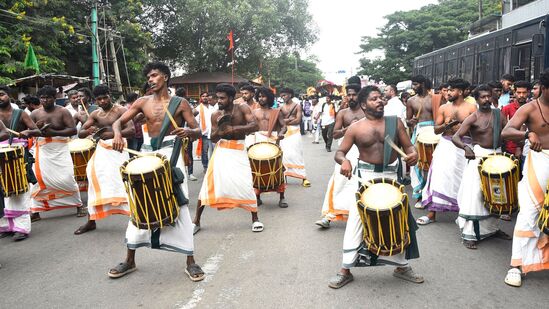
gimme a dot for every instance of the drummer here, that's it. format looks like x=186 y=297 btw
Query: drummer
x=530 y=245
x=179 y=237
x=446 y=170
x=84 y=96
x=376 y=159
x=271 y=129
x=56 y=187
x=106 y=193
x=227 y=183
x=16 y=221
x=474 y=220
x=340 y=194
x=419 y=115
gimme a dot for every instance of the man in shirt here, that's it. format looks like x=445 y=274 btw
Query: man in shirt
x=204 y=119
x=327 y=122
x=522 y=90
x=394 y=106
x=507 y=81
x=73 y=103
x=497 y=88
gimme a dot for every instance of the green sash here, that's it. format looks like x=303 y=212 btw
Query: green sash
x=496 y=128
x=15 y=117
x=390 y=130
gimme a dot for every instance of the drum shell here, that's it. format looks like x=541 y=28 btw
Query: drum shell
x=151 y=196
x=425 y=154
x=398 y=215
x=267 y=174
x=14 y=173
x=506 y=200
x=80 y=159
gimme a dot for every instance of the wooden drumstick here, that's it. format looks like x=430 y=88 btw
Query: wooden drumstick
x=395 y=147
x=84 y=107
x=174 y=124
x=135 y=152
x=13 y=132
x=419 y=111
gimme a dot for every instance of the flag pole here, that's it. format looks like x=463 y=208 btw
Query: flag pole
x=232 y=66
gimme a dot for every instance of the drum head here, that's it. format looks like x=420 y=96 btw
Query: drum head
x=80 y=144
x=263 y=151
x=381 y=196
x=497 y=164
x=428 y=136
x=144 y=164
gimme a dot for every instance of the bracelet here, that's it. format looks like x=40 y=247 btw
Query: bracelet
x=526 y=134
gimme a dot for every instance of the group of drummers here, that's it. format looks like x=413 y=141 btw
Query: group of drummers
x=454 y=156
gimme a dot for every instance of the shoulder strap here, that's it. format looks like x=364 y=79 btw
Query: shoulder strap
x=15 y=117
x=436 y=99
x=390 y=130
x=272 y=120
x=496 y=128
x=156 y=142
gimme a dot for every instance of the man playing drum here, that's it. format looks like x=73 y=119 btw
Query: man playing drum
x=227 y=183
x=16 y=221
x=530 y=245
x=484 y=126
x=340 y=194
x=53 y=167
x=271 y=129
x=157 y=109
x=291 y=145
x=376 y=159
x=419 y=115
x=106 y=194
x=446 y=170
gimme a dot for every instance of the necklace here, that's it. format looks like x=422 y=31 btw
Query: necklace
x=107 y=113
x=541 y=113
x=488 y=123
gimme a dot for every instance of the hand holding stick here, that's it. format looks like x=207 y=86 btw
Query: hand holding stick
x=13 y=132
x=395 y=147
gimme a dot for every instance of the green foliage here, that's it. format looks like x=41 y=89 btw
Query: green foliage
x=281 y=72
x=407 y=35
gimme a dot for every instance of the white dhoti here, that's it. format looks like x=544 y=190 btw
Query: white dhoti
x=340 y=194
x=292 y=149
x=444 y=178
x=228 y=180
x=474 y=220
x=177 y=238
x=106 y=192
x=530 y=245
x=53 y=167
x=417 y=175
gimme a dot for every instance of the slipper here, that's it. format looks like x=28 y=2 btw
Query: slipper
x=470 y=244
x=419 y=205
x=424 y=220
x=121 y=270
x=513 y=277
x=282 y=204
x=408 y=274
x=505 y=217
x=35 y=217
x=502 y=235
x=6 y=234
x=84 y=228
x=194 y=272
x=19 y=236
x=306 y=183
x=257 y=226
x=340 y=280
x=323 y=223
x=196 y=228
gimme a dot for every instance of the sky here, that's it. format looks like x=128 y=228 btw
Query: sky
x=341 y=26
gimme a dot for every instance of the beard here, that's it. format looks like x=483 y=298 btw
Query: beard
x=4 y=103
x=374 y=112
x=353 y=104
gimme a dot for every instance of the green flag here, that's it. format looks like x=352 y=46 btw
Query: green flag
x=31 y=61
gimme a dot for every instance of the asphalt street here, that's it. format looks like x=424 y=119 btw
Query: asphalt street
x=288 y=265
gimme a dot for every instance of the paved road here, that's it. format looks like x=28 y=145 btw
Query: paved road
x=287 y=265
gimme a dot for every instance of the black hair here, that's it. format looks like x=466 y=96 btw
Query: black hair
x=145 y=88
x=420 y=79
x=211 y=94
x=458 y=83
x=536 y=82
x=86 y=91
x=354 y=80
x=443 y=85
x=157 y=65
x=495 y=84
x=5 y=88
x=47 y=91
x=266 y=92
x=226 y=88
x=100 y=90
x=355 y=87
x=247 y=87
x=393 y=87
x=181 y=92
x=241 y=84
x=131 y=97
x=289 y=91
x=472 y=87
x=32 y=100
x=482 y=87
x=523 y=84
x=508 y=77
x=365 y=92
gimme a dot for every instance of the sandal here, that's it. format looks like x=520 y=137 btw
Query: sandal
x=17 y=236
x=257 y=226
x=306 y=183
x=282 y=203
x=194 y=272
x=85 y=228
x=470 y=244
x=35 y=217
x=505 y=217
x=121 y=270
x=340 y=280
x=408 y=274
x=514 y=277
x=502 y=235
x=419 y=205
x=424 y=220
x=196 y=228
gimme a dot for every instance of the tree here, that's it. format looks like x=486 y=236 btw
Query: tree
x=407 y=35
x=282 y=72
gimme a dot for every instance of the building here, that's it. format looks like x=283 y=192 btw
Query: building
x=199 y=82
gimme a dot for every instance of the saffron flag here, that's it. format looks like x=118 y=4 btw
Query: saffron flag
x=31 y=61
x=231 y=41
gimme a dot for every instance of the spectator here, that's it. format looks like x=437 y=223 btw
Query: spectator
x=327 y=119
x=307 y=123
x=136 y=142
x=394 y=107
x=497 y=88
x=507 y=81
x=181 y=92
x=522 y=90
x=316 y=119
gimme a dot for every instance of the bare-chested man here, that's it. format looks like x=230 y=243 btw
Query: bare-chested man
x=419 y=115
x=446 y=170
x=248 y=95
x=291 y=145
x=53 y=167
x=16 y=221
x=272 y=128
x=106 y=193
x=164 y=139
x=340 y=193
x=228 y=182
x=475 y=221
x=376 y=159
x=530 y=244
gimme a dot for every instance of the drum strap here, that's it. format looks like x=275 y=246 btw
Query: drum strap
x=273 y=120
x=15 y=117
x=390 y=130
x=496 y=124
x=156 y=142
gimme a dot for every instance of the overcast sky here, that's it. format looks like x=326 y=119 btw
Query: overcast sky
x=342 y=23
